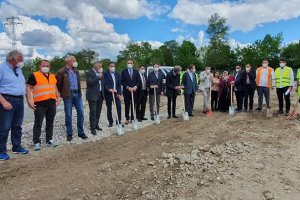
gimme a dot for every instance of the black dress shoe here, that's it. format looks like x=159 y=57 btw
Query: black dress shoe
x=139 y=120
x=69 y=138
x=152 y=118
x=144 y=118
x=191 y=115
x=110 y=125
x=174 y=116
x=98 y=128
x=83 y=136
x=169 y=117
x=93 y=132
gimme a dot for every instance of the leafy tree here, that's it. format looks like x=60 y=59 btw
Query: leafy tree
x=187 y=54
x=291 y=53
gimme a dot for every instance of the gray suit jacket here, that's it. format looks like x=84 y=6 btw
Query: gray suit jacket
x=92 y=86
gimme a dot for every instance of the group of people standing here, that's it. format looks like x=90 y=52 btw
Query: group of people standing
x=244 y=83
x=44 y=91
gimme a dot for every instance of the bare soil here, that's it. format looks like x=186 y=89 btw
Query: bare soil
x=246 y=156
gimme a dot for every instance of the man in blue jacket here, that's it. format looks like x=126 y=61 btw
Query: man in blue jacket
x=189 y=81
x=112 y=82
x=130 y=83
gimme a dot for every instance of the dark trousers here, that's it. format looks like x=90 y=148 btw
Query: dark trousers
x=172 y=104
x=141 y=104
x=39 y=114
x=214 y=100
x=248 y=97
x=75 y=101
x=239 y=99
x=263 y=91
x=281 y=94
x=109 y=104
x=128 y=104
x=189 y=100
x=11 y=120
x=95 y=111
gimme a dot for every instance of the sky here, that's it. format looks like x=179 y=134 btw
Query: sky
x=53 y=28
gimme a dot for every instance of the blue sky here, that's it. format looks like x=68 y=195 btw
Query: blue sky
x=107 y=26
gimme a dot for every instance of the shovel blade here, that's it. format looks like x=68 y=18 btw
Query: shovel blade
x=185 y=116
x=269 y=113
x=292 y=116
x=157 y=119
x=120 y=130
x=209 y=113
x=231 y=110
x=135 y=125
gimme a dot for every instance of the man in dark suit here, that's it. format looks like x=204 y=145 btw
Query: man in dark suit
x=155 y=82
x=173 y=86
x=238 y=88
x=249 y=76
x=95 y=95
x=189 y=81
x=112 y=83
x=142 y=94
x=130 y=83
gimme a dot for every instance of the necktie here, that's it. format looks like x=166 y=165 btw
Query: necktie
x=144 y=81
x=15 y=71
x=130 y=73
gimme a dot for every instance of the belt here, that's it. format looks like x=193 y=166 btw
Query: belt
x=12 y=96
x=74 y=91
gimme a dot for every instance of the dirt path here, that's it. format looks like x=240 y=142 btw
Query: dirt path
x=243 y=157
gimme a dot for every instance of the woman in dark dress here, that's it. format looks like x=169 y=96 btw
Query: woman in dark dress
x=224 y=93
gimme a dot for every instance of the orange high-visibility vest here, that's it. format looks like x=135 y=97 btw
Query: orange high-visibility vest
x=259 y=74
x=44 y=89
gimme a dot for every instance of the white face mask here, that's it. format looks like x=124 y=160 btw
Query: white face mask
x=142 y=71
x=129 y=66
x=112 y=69
x=282 y=65
x=20 y=65
x=237 y=70
x=265 y=65
x=156 y=69
x=247 y=69
x=45 y=69
x=193 y=70
x=208 y=71
x=100 y=70
x=75 y=64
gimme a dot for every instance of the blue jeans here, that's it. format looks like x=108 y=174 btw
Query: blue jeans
x=11 y=120
x=75 y=100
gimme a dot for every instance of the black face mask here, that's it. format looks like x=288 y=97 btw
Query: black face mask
x=176 y=71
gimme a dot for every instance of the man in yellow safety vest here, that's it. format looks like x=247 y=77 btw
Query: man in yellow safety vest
x=284 y=78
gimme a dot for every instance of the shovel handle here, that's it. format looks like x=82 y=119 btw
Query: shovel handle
x=114 y=99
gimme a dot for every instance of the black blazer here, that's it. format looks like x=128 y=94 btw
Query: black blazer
x=252 y=77
x=172 y=80
x=189 y=85
x=126 y=81
x=109 y=83
x=92 y=85
x=153 y=80
x=239 y=82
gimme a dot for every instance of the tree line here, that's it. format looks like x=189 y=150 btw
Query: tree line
x=217 y=53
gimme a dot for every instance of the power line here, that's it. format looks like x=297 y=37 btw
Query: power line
x=13 y=22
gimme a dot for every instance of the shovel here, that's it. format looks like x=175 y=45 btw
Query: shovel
x=293 y=115
x=120 y=130
x=209 y=113
x=135 y=123
x=185 y=114
x=231 y=107
x=156 y=117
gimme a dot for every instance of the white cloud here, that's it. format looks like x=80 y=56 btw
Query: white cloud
x=201 y=37
x=242 y=15
x=199 y=41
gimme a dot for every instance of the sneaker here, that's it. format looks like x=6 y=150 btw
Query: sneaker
x=4 y=156
x=36 y=147
x=69 y=138
x=83 y=136
x=20 y=150
x=51 y=143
